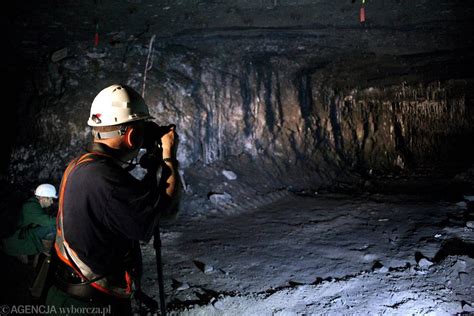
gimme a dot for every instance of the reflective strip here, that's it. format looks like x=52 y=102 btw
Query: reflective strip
x=105 y=135
x=64 y=251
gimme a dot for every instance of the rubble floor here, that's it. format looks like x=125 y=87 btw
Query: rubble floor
x=323 y=254
x=329 y=254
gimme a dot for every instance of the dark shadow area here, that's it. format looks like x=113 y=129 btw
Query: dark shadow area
x=11 y=199
x=430 y=187
x=16 y=278
x=454 y=247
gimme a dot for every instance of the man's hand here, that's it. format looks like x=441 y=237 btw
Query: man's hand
x=169 y=177
x=168 y=143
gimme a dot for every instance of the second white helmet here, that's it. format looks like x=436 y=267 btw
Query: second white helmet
x=117 y=104
x=46 y=190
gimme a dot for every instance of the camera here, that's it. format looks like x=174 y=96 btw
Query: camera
x=152 y=143
x=153 y=133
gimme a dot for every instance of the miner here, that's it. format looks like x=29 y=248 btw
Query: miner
x=36 y=227
x=104 y=211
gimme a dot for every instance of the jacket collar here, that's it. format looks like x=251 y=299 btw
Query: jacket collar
x=103 y=150
x=111 y=153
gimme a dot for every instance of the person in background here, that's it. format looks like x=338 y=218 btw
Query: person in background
x=36 y=229
x=104 y=211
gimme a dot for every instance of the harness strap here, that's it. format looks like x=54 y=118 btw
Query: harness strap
x=67 y=255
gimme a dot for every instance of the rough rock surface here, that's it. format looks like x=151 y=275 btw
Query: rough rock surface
x=292 y=96
x=299 y=93
x=328 y=254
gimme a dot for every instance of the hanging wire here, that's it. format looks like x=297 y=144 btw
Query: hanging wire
x=148 y=64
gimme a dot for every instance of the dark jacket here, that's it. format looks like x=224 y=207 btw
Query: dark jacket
x=106 y=210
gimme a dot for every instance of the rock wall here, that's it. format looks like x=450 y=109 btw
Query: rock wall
x=287 y=94
x=296 y=119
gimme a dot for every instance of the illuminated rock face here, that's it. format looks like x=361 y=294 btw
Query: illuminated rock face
x=296 y=103
x=298 y=123
x=281 y=113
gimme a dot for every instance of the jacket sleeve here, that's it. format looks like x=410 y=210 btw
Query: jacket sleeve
x=33 y=213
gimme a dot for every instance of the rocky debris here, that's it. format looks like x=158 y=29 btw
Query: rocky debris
x=379 y=267
x=206 y=268
x=462 y=205
x=364 y=293
x=323 y=241
x=230 y=175
x=370 y=257
x=454 y=247
x=424 y=263
x=179 y=286
x=220 y=199
x=467 y=306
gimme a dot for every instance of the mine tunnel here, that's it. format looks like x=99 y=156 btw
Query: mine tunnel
x=325 y=153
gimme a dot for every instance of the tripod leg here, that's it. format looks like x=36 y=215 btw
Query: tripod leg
x=159 y=269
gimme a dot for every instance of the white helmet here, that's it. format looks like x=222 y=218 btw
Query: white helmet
x=46 y=190
x=116 y=105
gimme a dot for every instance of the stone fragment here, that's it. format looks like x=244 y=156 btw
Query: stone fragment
x=467 y=307
x=379 y=267
x=179 y=286
x=469 y=198
x=370 y=257
x=219 y=305
x=220 y=198
x=461 y=204
x=425 y=263
x=96 y=55
x=470 y=224
x=230 y=175
x=383 y=269
x=183 y=287
x=59 y=55
x=206 y=268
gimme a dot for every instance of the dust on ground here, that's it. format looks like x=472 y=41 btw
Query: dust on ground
x=326 y=254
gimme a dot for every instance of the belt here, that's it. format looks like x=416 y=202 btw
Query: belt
x=68 y=281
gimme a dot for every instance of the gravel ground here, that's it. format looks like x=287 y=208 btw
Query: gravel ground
x=327 y=254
